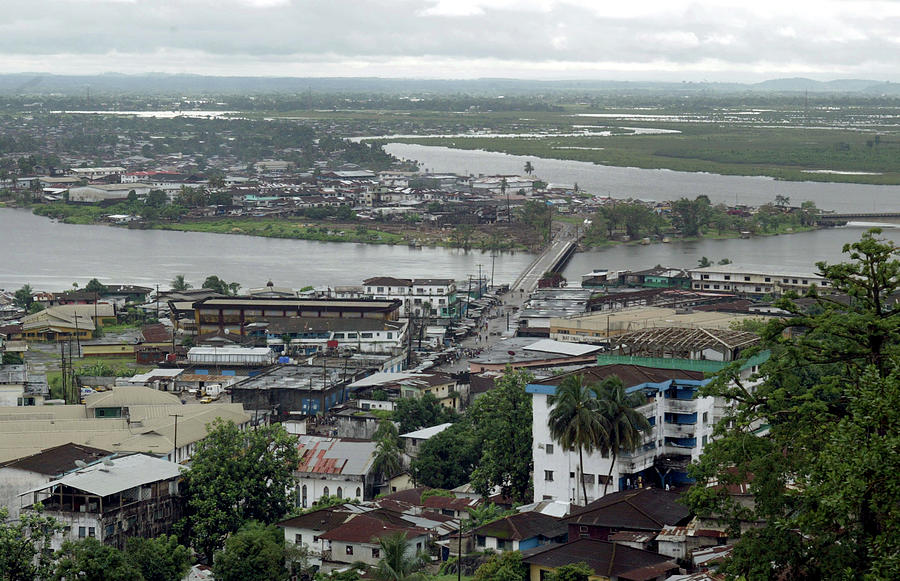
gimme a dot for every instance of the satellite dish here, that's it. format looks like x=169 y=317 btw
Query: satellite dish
x=107 y=462
x=81 y=463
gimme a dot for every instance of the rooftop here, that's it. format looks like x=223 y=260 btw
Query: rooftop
x=427 y=433
x=643 y=509
x=321 y=455
x=116 y=474
x=612 y=559
x=57 y=460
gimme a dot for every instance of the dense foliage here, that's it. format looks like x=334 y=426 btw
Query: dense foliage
x=823 y=471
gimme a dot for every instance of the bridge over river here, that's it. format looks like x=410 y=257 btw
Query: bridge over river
x=835 y=219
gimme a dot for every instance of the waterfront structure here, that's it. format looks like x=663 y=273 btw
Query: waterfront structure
x=681 y=425
x=105 y=192
x=112 y=499
x=753 y=280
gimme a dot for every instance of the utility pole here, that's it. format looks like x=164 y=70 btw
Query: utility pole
x=175 y=442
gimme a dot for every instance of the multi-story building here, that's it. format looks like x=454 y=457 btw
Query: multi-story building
x=334 y=467
x=113 y=499
x=681 y=425
x=751 y=280
x=421 y=297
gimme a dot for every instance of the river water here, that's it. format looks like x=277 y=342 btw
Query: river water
x=51 y=256
x=654 y=184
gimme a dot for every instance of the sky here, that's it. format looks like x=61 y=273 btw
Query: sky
x=744 y=41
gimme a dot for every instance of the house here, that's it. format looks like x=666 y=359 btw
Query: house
x=20 y=388
x=451 y=506
x=105 y=192
x=334 y=467
x=519 y=532
x=310 y=389
x=679 y=542
x=112 y=499
x=660 y=277
x=341 y=335
x=640 y=510
x=609 y=561
x=411 y=384
x=39 y=468
x=357 y=539
x=305 y=530
x=413 y=440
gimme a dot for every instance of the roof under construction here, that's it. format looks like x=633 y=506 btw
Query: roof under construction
x=675 y=340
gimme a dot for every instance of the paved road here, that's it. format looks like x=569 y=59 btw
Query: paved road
x=528 y=280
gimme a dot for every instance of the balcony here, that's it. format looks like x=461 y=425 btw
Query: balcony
x=681 y=405
x=679 y=430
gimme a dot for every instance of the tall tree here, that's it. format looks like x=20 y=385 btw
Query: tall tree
x=447 y=459
x=575 y=421
x=398 y=561
x=529 y=168
x=25 y=552
x=501 y=417
x=387 y=460
x=505 y=566
x=690 y=216
x=624 y=424
x=413 y=413
x=91 y=560
x=159 y=559
x=95 y=286
x=237 y=476
x=255 y=553
x=23 y=296
x=822 y=470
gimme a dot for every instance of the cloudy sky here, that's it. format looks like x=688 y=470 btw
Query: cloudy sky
x=728 y=40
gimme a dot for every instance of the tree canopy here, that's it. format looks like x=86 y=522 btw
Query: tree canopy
x=25 y=552
x=235 y=477
x=816 y=436
x=502 y=421
x=91 y=560
x=255 y=553
x=421 y=412
x=447 y=459
x=159 y=559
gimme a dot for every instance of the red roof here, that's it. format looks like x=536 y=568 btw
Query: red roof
x=447 y=503
x=366 y=529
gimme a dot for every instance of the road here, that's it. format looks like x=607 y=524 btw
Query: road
x=528 y=280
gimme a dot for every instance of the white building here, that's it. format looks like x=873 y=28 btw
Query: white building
x=95 y=173
x=104 y=192
x=334 y=467
x=753 y=280
x=681 y=426
x=419 y=297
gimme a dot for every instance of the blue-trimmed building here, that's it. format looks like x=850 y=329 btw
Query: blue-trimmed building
x=681 y=426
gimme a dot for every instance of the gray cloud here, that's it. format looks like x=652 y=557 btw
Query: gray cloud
x=541 y=38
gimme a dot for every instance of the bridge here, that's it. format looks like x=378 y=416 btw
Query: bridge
x=552 y=259
x=832 y=219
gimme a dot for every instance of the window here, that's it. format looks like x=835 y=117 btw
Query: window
x=758 y=289
x=794 y=280
x=81 y=532
x=349 y=549
x=359 y=492
x=376 y=553
x=705 y=277
x=303 y=496
x=298 y=538
x=418 y=546
x=571 y=475
x=715 y=286
x=768 y=279
x=325 y=491
x=805 y=281
x=727 y=277
x=746 y=278
x=588 y=478
x=548 y=475
x=705 y=417
x=704 y=440
x=381 y=289
x=340 y=492
x=549 y=448
x=706 y=286
x=367 y=335
x=92 y=532
x=480 y=540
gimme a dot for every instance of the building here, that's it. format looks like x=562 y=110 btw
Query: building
x=410 y=384
x=519 y=532
x=609 y=561
x=645 y=510
x=305 y=530
x=311 y=335
x=413 y=440
x=112 y=500
x=598 y=328
x=20 y=388
x=44 y=466
x=310 y=389
x=107 y=192
x=357 y=539
x=96 y=173
x=422 y=297
x=681 y=425
x=233 y=315
x=126 y=419
x=67 y=322
x=753 y=280
x=526 y=352
x=334 y=467
x=659 y=277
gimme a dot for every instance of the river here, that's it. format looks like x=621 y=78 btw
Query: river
x=51 y=256
x=654 y=184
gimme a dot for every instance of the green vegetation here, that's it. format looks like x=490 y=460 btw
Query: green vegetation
x=414 y=413
x=286 y=228
x=729 y=149
x=816 y=439
x=254 y=553
x=237 y=477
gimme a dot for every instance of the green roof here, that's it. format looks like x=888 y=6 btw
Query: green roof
x=702 y=365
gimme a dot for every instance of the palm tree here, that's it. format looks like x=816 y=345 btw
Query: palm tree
x=396 y=564
x=387 y=461
x=624 y=424
x=179 y=283
x=503 y=192
x=529 y=169
x=574 y=421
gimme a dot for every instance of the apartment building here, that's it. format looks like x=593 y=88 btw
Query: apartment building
x=753 y=280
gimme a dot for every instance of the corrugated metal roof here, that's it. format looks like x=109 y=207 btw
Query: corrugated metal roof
x=563 y=348
x=124 y=473
x=426 y=433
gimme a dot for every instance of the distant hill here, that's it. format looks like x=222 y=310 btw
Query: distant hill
x=165 y=84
